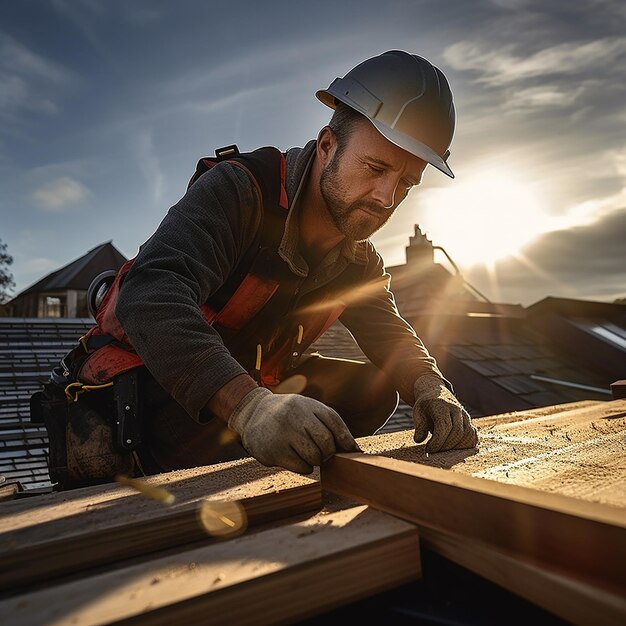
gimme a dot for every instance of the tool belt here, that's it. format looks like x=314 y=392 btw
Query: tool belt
x=93 y=431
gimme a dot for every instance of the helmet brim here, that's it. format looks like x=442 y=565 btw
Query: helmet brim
x=417 y=148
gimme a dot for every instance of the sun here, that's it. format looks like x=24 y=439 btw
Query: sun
x=491 y=214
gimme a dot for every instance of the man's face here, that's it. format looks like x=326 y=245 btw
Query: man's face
x=364 y=184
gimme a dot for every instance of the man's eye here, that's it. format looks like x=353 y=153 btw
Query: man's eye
x=375 y=169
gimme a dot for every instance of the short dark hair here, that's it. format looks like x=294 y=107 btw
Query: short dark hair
x=342 y=123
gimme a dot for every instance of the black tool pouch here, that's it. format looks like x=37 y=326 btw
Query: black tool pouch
x=91 y=438
x=49 y=407
x=128 y=431
x=93 y=456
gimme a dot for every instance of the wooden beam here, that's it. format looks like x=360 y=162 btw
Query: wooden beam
x=571 y=599
x=274 y=576
x=618 y=389
x=108 y=524
x=8 y=491
x=577 y=538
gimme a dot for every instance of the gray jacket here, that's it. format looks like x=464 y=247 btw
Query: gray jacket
x=193 y=251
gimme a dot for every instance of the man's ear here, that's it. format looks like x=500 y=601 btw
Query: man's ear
x=326 y=145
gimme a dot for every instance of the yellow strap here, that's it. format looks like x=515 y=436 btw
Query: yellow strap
x=83 y=343
x=300 y=333
x=259 y=352
x=77 y=388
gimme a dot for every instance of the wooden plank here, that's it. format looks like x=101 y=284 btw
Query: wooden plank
x=567 y=535
x=71 y=531
x=519 y=416
x=275 y=576
x=566 y=597
x=580 y=452
x=9 y=490
x=231 y=480
x=40 y=561
x=618 y=389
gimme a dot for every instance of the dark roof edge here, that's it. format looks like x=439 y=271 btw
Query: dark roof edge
x=79 y=262
x=572 y=307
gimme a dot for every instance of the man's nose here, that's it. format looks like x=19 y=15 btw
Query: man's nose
x=385 y=192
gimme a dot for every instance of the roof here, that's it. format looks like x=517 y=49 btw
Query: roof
x=29 y=349
x=590 y=333
x=495 y=358
x=79 y=273
x=498 y=363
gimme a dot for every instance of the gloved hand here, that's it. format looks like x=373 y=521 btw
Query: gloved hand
x=289 y=430
x=437 y=410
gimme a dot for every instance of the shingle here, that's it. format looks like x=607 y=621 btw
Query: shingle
x=518 y=384
x=464 y=352
x=486 y=368
x=29 y=349
x=486 y=352
x=523 y=366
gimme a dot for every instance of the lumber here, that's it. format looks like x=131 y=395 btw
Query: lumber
x=568 y=598
x=8 y=490
x=274 y=576
x=582 y=540
x=579 y=451
x=95 y=526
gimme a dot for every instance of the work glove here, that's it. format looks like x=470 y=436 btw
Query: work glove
x=437 y=410
x=289 y=430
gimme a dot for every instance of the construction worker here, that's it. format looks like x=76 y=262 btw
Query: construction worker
x=200 y=350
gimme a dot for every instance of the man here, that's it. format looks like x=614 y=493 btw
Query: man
x=258 y=258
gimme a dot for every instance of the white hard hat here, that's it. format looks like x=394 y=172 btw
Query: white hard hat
x=406 y=98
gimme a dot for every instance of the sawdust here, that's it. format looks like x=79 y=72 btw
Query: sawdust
x=578 y=449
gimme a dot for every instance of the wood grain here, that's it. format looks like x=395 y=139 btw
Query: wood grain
x=571 y=599
x=275 y=576
x=584 y=540
x=105 y=524
x=577 y=450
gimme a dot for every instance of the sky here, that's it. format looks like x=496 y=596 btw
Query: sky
x=106 y=106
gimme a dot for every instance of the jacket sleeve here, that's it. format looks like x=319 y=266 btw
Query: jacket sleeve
x=187 y=259
x=385 y=337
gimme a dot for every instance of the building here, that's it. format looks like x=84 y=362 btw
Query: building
x=63 y=293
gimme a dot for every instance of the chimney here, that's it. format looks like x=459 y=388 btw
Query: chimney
x=419 y=252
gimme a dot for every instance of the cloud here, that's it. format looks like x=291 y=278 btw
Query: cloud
x=17 y=58
x=260 y=66
x=544 y=96
x=500 y=66
x=142 y=147
x=231 y=100
x=25 y=76
x=610 y=164
x=587 y=262
x=15 y=94
x=60 y=195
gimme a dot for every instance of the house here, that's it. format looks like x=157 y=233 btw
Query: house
x=63 y=293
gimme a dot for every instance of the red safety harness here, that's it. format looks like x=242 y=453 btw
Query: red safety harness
x=257 y=311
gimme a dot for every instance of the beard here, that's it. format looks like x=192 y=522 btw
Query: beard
x=357 y=220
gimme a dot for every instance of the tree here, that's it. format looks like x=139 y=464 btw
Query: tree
x=6 y=277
